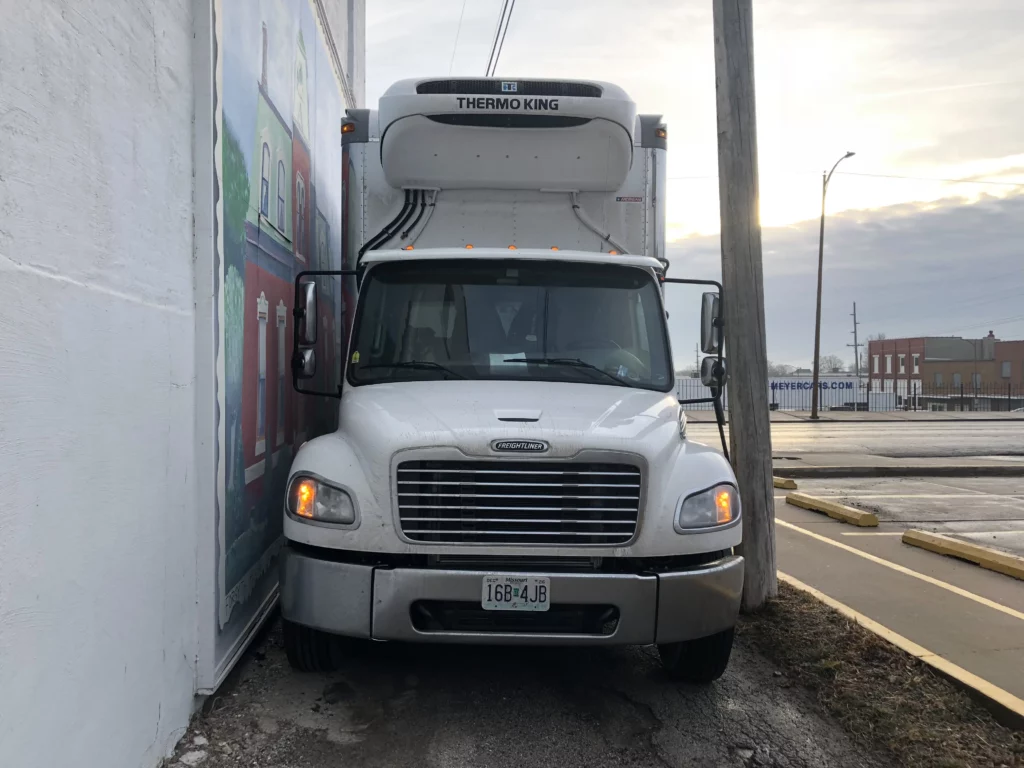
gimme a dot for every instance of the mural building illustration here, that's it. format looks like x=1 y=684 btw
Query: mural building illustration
x=281 y=183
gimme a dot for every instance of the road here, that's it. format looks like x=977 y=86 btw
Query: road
x=891 y=439
x=393 y=706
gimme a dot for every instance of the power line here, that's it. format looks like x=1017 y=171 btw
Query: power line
x=494 y=42
x=876 y=176
x=458 y=32
x=932 y=178
x=501 y=44
x=997 y=321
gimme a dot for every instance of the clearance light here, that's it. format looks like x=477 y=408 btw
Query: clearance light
x=613 y=253
x=407 y=248
x=469 y=247
x=512 y=248
x=348 y=127
x=661 y=133
x=554 y=247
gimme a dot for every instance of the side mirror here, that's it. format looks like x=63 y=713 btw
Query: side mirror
x=712 y=373
x=306 y=314
x=304 y=363
x=710 y=318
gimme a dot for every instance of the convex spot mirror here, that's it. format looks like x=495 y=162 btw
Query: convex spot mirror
x=304 y=363
x=710 y=320
x=306 y=314
x=712 y=372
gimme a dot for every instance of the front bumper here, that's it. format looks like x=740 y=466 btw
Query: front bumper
x=384 y=603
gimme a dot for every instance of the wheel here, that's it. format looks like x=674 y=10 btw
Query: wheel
x=310 y=650
x=698 y=661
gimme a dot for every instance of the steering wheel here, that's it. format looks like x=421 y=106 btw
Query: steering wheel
x=616 y=358
x=630 y=361
x=593 y=343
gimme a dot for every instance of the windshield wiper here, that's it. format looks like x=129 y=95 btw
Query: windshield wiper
x=572 y=362
x=425 y=365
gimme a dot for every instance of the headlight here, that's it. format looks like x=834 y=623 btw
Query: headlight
x=311 y=499
x=716 y=506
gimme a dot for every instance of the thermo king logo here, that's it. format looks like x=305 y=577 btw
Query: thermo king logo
x=507 y=87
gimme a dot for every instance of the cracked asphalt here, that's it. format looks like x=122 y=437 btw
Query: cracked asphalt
x=455 y=707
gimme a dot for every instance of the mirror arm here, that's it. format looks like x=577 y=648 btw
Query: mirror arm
x=716 y=397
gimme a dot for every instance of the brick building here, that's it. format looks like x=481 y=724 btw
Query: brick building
x=944 y=367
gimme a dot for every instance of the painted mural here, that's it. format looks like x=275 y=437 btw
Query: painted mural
x=281 y=184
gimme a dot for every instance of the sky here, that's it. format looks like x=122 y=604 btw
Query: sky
x=924 y=91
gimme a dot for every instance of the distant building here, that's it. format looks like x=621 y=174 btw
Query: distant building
x=949 y=370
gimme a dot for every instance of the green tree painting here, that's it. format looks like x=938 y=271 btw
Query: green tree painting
x=235 y=180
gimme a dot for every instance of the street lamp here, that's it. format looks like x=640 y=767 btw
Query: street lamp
x=817 y=315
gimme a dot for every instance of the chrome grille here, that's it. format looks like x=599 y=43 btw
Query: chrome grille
x=518 y=502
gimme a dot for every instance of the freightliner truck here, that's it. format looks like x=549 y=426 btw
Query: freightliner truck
x=511 y=464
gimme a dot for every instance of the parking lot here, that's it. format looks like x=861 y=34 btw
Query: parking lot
x=988 y=511
x=970 y=616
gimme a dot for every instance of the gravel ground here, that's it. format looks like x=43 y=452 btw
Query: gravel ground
x=881 y=696
x=454 y=707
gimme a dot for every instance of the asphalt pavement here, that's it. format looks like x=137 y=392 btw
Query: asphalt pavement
x=393 y=705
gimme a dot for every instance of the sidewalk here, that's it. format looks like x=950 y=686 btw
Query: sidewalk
x=794 y=417
x=809 y=465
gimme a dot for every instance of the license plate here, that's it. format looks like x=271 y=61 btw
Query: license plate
x=516 y=593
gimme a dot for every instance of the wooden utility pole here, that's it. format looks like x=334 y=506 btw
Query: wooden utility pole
x=856 y=345
x=743 y=283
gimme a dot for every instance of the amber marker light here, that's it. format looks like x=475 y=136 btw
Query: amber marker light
x=305 y=498
x=723 y=505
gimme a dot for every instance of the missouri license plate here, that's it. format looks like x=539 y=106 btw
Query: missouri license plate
x=516 y=593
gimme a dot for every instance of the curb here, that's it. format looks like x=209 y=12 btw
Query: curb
x=784 y=482
x=834 y=510
x=986 y=557
x=792 y=419
x=1004 y=706
x=941 y=470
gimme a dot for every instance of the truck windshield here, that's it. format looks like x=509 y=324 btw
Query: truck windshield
x=511 y=320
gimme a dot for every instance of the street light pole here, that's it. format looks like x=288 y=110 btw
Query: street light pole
x=817 y=315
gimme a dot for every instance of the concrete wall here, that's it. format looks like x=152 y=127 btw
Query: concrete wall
x=98 y=633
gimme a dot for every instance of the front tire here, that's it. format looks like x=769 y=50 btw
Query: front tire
x=310 y=650
x=699 y=661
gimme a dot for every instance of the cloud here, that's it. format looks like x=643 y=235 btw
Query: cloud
x=940 y=269
x=915 y=87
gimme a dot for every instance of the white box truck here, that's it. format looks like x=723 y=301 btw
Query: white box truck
x=511 y=464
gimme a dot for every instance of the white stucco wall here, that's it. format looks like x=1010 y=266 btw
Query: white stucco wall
x=347 y=22
x=97 y=497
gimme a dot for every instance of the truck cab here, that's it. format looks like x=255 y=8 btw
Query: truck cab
x=511 y=464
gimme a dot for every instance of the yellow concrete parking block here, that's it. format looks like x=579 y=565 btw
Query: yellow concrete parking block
x=785 y=483
x=833 y=509
x=986 y=557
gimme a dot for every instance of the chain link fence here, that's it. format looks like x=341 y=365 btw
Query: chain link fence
x=852 y=394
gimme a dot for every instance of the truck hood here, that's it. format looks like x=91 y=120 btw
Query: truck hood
x=379 y=420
